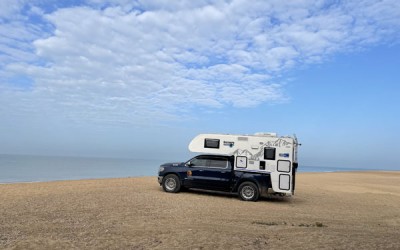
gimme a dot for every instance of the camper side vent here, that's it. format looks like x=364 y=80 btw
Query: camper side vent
x=211 y=143
x=262 y=165
x=243 y=138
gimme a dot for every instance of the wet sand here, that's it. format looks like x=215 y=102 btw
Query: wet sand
x=352 y=210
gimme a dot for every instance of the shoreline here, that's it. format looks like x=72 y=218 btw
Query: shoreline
x=155 y=176
x=83 y=179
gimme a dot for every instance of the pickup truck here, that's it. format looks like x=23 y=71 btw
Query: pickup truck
x=213 y=172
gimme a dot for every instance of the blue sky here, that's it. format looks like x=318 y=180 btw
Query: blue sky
x=141 y=78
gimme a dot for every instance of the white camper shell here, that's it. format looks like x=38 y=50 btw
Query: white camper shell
x=259 y=153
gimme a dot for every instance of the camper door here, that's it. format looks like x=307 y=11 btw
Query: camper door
x=282 y=174
x=282 y=178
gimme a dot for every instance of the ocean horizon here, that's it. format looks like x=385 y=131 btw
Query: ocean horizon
x=32 y=168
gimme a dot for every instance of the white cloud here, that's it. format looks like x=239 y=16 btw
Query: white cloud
x=10 y=8
x=125 y=61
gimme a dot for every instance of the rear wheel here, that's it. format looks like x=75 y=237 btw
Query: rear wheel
x=171 y=183
x=248 y=191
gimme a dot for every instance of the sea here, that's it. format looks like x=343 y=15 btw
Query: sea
x=29 y=168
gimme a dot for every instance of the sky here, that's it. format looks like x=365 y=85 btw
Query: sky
x=140 y=79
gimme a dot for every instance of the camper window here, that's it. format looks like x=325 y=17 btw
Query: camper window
x=211 y=143
x=269 y=153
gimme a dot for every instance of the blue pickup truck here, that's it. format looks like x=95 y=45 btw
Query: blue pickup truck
x=213 y=172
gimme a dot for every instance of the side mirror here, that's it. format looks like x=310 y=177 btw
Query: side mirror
x=189 y=164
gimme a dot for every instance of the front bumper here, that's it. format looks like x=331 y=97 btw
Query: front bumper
x=160 y=179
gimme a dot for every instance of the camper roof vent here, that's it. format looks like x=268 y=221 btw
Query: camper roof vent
x=266 y=134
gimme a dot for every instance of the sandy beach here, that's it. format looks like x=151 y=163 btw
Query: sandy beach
x=351 y=210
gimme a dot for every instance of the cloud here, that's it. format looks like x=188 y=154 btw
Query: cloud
x=131 y=62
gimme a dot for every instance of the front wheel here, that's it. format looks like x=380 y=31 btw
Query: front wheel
x=171 y=183
x=248 y=191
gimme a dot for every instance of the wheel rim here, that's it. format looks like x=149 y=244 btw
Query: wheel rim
x=248 y=192
x=170 y=184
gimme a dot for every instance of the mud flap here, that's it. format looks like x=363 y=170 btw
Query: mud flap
x=294 y=171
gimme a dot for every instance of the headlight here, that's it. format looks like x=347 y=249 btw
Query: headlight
x=161 y=169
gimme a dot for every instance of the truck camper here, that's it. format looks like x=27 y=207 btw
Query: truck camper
x=250 y=165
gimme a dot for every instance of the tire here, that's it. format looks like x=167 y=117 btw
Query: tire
x=171 y=183
x=248 y=191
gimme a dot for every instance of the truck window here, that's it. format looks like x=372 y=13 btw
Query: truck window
x=196 y=162
x=218 y=163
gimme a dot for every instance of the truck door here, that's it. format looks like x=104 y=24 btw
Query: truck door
x=212 y=172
